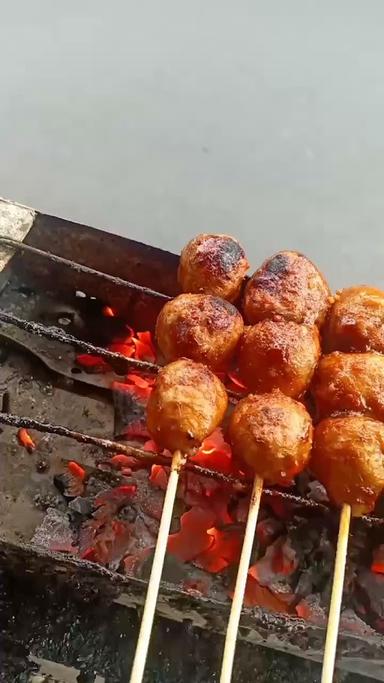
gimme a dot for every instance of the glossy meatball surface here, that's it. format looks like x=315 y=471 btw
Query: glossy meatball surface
x=213 y=264
x=356 y=321
x=272 y=434
x=348 y=458
x=204 y=328
x=350 y=382
x=287 y=286
x=279 y=355
x=187 y=403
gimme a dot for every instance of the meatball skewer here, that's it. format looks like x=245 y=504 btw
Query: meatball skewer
x=348 y=458
x=336 y=596
x=187 y=403
x=272 y=433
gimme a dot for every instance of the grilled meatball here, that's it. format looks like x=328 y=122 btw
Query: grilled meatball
x=213 y=264
x=287 y=286
x=348 y=458
x=351 y=382
x=187 y=403
x=201 y=327
x=272 y=434
x=279 y=355
x=356 y=321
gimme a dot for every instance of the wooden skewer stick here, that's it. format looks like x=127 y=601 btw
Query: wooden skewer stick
x=336 y=597
x=241 y=582
x=139 y=661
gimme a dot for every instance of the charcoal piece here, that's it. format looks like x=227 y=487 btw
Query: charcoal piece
x=82 y=506
x=317 y=492
x=42 y=466
x=304 y=535
x=147 y=497
x=268 y=530
x=372 y=586
x=43 y=501
x=54 y=531
x=127 y=514
x=130 y=408
x=302 y=481
x=379 y=507
x=96 y=485
x=306 y=582
x=60 y=481
x=311 y=610
x=349 y=621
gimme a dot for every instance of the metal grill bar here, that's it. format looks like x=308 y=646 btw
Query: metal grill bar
x=156 y=458
x=7 y=242
x=57 y=334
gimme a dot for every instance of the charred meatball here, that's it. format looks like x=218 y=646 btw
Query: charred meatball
x=350 y=382
x=356 y=321
x=279 y=355
x=272 y=433
x=187 y=403
x=213 y=264
x=287 y=286
x=348 y=458
x=201 y=327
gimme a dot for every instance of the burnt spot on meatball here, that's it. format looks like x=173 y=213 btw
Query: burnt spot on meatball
x=287 y=286
x=213 y=264
x=223 y=255
x=278 y=264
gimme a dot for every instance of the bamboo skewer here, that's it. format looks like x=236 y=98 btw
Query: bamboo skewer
x=336 y=597
x=241 y=582
x=157 y=567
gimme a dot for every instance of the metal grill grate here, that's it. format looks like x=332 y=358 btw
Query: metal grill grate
x=57 y=334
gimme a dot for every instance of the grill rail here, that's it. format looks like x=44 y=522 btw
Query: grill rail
x=14 y=245
x=57 y=334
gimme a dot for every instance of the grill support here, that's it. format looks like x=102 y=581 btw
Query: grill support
x=56 y=334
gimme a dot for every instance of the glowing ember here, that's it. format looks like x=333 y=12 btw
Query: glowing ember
x=377 y=565
x=108 y=312
x=223 y=552
x=120 y=460
x=94 y=363
x=144 y=347
x=76 y=470
x=280 y=560
x=158 y=477
x=131 y=345
x=259 y=596
x=215 y=453
x=238 y=385
x=26 y=440
x=130 y=407
x=193 y=537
